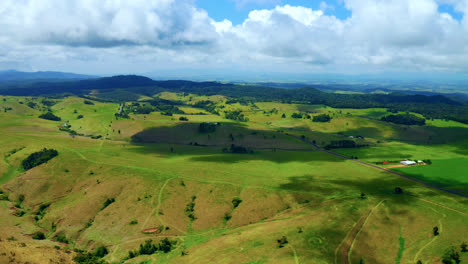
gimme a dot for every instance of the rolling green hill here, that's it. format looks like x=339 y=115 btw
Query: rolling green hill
x=257 y=189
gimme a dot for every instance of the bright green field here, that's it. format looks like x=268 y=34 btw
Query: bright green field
x=445 y=172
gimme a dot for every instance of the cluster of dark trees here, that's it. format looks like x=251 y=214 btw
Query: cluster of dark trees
x=50 y=116
x=207 y=128
x=91 y=258
x=108 y=202
x=344 y=144
x=297 y=115
x=166 y=107
x=190 y=209
x=322 y=118
x=404 y=119
x=38 y=158
x=241 y=101
x=236 y=115
x=208 y=106
x=148 y=248
x=237 y=150
x=435 y=106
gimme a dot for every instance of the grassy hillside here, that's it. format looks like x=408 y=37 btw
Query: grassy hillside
x=145 y=178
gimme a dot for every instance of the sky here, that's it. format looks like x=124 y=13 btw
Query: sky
x=239 y=38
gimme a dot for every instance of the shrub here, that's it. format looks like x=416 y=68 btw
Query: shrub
x=282 y=241
x=463 y=247
x=107 y=203
x=236 y=201
x=39 y=236
x=79 y=116
x=227 y=216
x=61 y=238
x=50 y=116
x=100 y=252
x=38 y=158
x=133 y=222
x=183 y=118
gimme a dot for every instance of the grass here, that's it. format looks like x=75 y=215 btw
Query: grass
x=450 y=173
x=294 y=186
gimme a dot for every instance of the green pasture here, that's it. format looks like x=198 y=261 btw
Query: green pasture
x=288 y=188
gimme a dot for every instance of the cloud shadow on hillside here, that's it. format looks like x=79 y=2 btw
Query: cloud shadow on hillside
x=380 y=187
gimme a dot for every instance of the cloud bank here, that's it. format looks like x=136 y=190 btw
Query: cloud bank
x=143 y=35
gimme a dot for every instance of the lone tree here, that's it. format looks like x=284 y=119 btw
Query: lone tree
x=39 y=236
x=463 y=247
x=363 y=196
x=398 y=190
x=436 y=231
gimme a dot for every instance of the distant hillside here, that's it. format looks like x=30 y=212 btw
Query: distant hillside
x=18 y=76
x=131 y=87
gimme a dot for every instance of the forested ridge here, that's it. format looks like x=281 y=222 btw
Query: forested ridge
x=128 y=88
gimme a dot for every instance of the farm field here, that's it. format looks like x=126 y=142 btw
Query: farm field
x=252 y=187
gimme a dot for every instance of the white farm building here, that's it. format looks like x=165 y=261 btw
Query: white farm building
x=408 y=162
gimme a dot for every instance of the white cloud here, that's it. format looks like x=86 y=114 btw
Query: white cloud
x=106 y=23
x=142 y=35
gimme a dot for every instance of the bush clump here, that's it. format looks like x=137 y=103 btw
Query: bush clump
x=236 y=201
x=406 y=119
x=38 y=158
x=322 y=118
x=207 y=128
x=39 y=236
x=190 y=209
x=50 y=116
x=100 y=252
x=61 y=238
x=148 y=248
x=107 y=203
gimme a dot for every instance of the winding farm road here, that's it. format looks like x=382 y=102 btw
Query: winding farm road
x=379 y=168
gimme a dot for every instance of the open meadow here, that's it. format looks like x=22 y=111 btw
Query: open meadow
x=227 y=182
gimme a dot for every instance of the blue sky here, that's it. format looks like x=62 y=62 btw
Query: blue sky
x=237 y=13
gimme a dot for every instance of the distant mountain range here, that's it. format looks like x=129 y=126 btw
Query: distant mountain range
x=19 y=76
